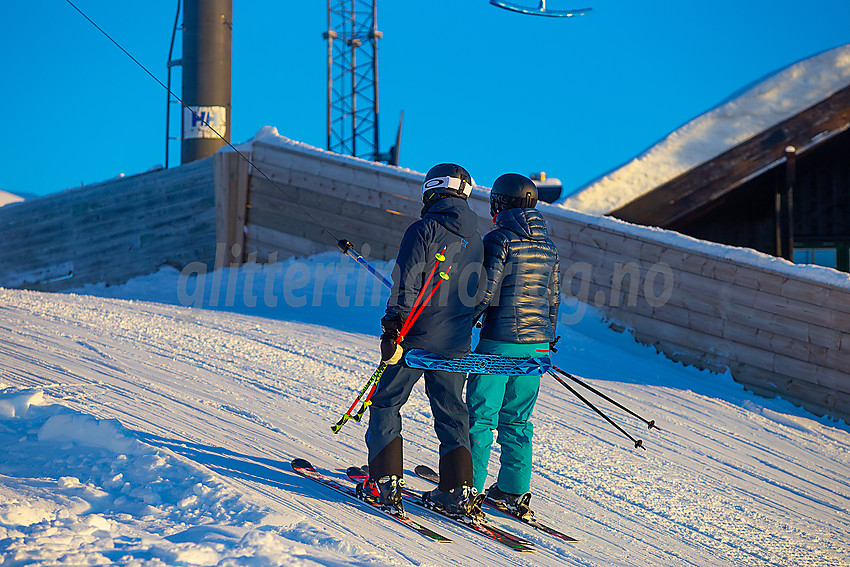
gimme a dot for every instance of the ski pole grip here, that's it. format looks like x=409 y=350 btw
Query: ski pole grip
x=344 y=246
x=359 y=415
x=338 y=425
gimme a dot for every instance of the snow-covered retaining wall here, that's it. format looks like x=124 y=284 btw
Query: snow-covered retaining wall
x=111 y=231
x=779 y=328
x=338 y=197
x=354 y=199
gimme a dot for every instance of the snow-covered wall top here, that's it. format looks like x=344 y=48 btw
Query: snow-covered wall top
x=269 y=135
x=6 y=198
x=769 y=102
x=672 y=239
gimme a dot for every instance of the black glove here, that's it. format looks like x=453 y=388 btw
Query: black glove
x=553 y=343
x=390 y=350
x=391 y=325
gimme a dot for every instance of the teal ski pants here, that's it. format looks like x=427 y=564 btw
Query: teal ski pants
x=503 y=404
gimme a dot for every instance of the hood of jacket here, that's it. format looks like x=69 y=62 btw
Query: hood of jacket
x=454 y=214
x=527 y=223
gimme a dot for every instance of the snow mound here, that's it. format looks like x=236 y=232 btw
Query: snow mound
x=17 y=403
x=73 y=477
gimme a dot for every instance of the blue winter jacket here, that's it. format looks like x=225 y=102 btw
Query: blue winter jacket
x=521 y=294
x=445 y=325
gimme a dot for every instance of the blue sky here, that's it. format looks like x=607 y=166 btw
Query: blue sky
x=489 y=89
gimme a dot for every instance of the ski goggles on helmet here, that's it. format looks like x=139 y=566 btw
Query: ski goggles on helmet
x=452 y=184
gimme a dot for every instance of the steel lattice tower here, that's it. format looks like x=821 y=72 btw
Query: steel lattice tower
x=353 y=78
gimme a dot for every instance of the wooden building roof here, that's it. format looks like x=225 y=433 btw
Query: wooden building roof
x=693 y=193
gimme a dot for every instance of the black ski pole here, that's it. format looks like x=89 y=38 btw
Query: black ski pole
x=651 y=424
x=347 y=248
x=637 y=442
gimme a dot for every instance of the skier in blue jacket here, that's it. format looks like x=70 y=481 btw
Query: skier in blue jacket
x=519 y=304
x=444 y=327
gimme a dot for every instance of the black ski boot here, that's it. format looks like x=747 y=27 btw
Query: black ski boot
x=387 y=491
x=462 y=502
x=516 y=504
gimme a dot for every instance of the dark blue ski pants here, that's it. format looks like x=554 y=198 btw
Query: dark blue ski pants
x=445 y=392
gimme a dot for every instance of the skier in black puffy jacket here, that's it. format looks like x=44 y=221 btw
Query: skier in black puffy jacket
x=519 y=305
x=444 y=327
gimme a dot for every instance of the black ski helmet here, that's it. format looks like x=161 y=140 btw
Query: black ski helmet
x=512 y=191
x=446 y=179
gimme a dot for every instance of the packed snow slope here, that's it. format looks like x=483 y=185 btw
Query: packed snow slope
x=136 y=431
x=747 y=113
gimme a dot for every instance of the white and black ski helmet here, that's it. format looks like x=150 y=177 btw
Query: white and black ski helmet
x=446 y=179
x=512 y=191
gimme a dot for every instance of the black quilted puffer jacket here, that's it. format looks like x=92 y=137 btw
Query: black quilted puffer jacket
x=521 y=294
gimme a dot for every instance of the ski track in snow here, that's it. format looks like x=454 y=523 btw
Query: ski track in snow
x=140 y=433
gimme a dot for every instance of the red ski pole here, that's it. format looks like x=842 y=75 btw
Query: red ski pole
x=372 y=384
x=440 y=257
x=410 y=320
x=373 y=380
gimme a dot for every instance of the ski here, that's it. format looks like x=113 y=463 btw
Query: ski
x=358 y=474
x=305 y=469
x=479 y=363
x=429 y=474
